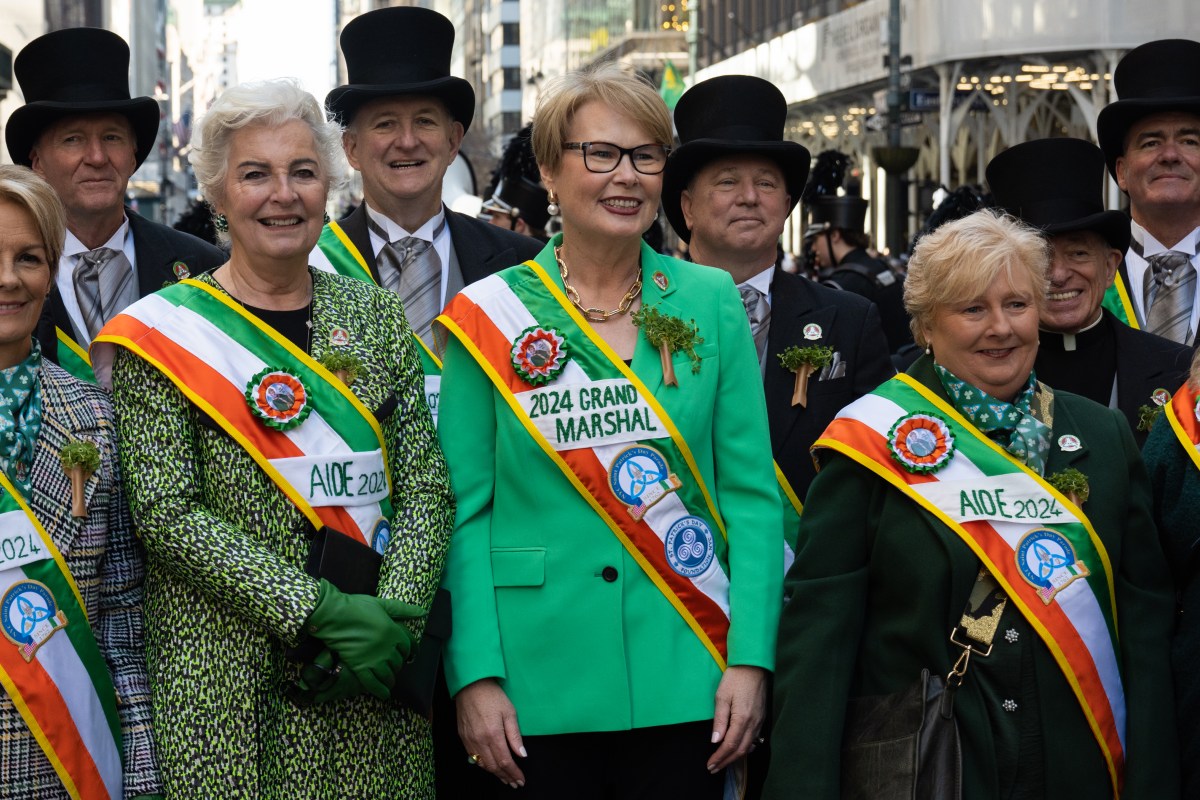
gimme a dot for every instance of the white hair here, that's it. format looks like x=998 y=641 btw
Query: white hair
x=273 y=103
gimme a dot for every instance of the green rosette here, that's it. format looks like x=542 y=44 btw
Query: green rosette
x=539 y=354
x=278 y=398
x=922 y=442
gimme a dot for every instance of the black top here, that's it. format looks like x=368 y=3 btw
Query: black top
x=1089 y=369
x=296 y=325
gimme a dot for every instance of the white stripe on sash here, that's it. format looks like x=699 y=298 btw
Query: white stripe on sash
x=67 y=672
x=237 y=364
x=1077 y=601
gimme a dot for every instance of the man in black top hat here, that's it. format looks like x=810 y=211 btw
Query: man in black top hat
x=1057 y=185
x=1151 y=143
x=837 y=235
x=727 y=191
x=81 y=131
x=405 y=117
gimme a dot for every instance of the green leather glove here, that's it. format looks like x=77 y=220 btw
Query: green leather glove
x=366 y=633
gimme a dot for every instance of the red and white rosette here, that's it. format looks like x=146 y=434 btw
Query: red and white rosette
x=539 y=354
x=278 y=398
x=921 y=442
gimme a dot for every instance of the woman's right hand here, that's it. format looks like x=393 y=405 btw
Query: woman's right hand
x=487 y=725
x=367 y=633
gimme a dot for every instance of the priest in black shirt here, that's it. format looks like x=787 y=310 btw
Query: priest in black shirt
x=1057 y=185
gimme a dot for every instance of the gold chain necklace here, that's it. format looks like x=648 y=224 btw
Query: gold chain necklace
x=597 y=314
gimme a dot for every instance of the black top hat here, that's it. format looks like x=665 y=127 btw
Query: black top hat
x=520 y=197
x=1057 y=185
x=1158 y=76
x=398 y=51
x=829 y=212
x=76 y=71
x=730 y=115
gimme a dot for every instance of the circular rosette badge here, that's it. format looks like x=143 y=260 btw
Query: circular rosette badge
x=278 y=398
x=539 y=355
x=921 y=442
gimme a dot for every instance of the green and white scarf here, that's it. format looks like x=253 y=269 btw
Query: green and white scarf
x=1011 y=425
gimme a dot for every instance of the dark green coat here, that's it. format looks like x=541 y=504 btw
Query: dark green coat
x=877 y=585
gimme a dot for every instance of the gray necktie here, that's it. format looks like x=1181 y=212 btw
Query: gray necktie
x=414 y=271
x=104 y=286
x=1170 y=291
x=758 y=310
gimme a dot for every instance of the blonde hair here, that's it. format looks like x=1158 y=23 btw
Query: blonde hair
x=626 y=93
x=22 y=186
x=273 y=103
x=960 y=259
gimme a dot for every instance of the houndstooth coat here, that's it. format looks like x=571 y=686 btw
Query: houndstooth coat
x=108 y=565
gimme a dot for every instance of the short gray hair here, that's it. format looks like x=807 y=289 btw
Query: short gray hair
x=273 y=103
x=962 y=258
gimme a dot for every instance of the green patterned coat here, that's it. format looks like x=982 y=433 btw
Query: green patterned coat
x=226 y=589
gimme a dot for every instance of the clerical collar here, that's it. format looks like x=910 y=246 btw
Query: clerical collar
x=1081 y=339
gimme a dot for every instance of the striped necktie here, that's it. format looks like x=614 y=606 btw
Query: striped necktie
x=758 y=311
x=1170 y=292
x=411 y=268
x=104 y=286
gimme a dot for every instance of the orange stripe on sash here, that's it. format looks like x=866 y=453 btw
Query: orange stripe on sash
x=50 y=720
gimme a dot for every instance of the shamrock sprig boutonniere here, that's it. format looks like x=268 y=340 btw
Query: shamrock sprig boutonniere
x=1147 y=416
x=669 y=334
x=804 y=361
x=345 y=366
x=1072 y=483
x=79 y=460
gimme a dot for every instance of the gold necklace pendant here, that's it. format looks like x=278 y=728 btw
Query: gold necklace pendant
x=597 y=314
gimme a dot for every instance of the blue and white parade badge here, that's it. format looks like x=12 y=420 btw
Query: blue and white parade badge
x=278 y=398
x=689 y=546
x=922 y=443
x=29 y=616
x=538 y=355
x=1047 y=561
x=812 y=331
x=381 y=534
x=639 y=477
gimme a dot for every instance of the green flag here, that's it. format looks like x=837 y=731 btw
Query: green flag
x=672 y=85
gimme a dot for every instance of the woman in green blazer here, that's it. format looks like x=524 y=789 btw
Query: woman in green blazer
x=901 y=526
x=615 y=557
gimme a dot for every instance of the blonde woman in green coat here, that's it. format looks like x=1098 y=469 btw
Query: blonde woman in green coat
x=958 y=475
x=615 y=566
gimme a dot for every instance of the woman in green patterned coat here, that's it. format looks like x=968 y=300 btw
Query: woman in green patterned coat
x=968 y=488
x=276 y=443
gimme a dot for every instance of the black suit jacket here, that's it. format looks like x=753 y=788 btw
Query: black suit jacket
x=850 y=325
x=482 y=248
x=1145 y=362
x=156 y=249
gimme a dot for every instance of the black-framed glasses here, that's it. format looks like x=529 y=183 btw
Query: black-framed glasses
x=648 y=159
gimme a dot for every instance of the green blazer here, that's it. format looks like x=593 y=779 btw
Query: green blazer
x=545 y=598
x=877 y=585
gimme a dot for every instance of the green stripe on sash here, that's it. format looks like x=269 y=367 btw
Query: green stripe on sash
x=1116 y=300
x=73 y=358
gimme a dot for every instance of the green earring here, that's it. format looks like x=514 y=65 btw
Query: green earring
x=221 y=224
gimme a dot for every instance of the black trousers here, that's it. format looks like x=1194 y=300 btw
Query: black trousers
x=661 y=763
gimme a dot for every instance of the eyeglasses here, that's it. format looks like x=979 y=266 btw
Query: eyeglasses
x=648 y=159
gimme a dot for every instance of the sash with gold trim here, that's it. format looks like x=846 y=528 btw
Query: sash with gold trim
x=1116 y=300
x=50 y=664
x=1039 y=546
x=349 y=262
x=1181 y=411
x=604 y=429
x=300 y=424
x=73 y=358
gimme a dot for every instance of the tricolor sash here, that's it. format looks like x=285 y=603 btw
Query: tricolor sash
x=792 y=509
x=1182 y=412
x=1116 y=300
x=73 y=358
x=607 y=433
x=50 y=664
x=1039 y=546
x=349 y=262
x=325 y=451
